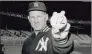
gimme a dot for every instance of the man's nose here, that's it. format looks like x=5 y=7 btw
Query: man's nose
x=35 y=20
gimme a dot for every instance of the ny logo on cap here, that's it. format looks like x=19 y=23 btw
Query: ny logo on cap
x=35 y=4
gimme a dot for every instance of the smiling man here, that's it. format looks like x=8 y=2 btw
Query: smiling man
x=45 y=40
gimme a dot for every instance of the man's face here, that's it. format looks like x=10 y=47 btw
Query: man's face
x=37 y=19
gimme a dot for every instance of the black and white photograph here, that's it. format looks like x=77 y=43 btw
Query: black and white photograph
x=45 y=27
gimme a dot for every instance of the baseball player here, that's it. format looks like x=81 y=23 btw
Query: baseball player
x=45 y=40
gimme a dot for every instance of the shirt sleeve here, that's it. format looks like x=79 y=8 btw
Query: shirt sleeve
x=63 y=46
x=24 y=48
x=26 y=45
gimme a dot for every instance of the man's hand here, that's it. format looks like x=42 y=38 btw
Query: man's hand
x=58 y=21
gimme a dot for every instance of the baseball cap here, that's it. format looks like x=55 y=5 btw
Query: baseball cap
x=40 y=6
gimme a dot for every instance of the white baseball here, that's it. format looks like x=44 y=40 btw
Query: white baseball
x=58 y=20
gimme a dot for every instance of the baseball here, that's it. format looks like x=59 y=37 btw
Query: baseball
x=58 y=20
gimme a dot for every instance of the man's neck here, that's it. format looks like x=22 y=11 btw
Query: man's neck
x=36 y=32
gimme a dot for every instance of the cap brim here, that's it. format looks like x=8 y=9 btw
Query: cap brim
x=35 y=9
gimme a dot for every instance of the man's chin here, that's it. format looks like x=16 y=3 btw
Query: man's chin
x=37 y=29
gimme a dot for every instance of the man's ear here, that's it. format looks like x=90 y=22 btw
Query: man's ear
x=47 y=17
x=28 y=17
